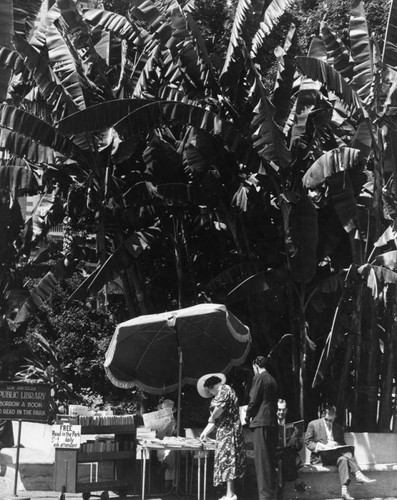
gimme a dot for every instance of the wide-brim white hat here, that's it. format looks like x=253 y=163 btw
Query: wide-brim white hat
x=203 y=391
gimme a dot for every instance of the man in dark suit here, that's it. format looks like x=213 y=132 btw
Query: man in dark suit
x=324 y=435
x=261 y=418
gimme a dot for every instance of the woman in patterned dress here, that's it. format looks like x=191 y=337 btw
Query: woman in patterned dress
x=229 y=461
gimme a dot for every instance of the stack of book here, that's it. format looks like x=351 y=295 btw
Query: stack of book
x=145 y=433
x=109 y=420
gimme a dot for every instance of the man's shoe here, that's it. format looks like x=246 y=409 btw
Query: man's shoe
x=347 y=496
x=361 y=478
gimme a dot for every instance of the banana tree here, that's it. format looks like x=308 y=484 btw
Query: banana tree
x=362 y=81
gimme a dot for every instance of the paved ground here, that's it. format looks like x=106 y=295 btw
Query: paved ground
x=52 y=495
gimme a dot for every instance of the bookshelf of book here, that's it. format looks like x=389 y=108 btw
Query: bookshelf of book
x=105 y=461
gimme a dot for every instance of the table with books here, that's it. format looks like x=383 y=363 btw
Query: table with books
x=198 y=449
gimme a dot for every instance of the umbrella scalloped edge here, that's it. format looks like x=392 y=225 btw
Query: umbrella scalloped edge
x=130 y=384
x=234 y=332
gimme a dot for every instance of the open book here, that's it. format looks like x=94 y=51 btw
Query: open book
x=290 y=434
x=329 y=457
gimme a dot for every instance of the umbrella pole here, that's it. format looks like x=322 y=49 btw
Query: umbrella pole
x=178 y=415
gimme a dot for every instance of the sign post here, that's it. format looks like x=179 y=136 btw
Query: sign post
x=23 y=401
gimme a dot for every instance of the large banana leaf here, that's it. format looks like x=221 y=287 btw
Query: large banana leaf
x=363 y=137
x=271 y=17
x=116 y=23
x=64 y=67
x=121 y=259
x=342 y=197
x=24 y=147
x=16 y=177
x=131 y=115
x=40 y=213
x=100 y=116
x=361 y=50
x=389 y=235
x=25 y=17
x=6 y=32
x=331 y=162
x=35 y=129
x=268 y=137
x=144 y=73
x=10 y=59
x=338 y=55
x=376 y=277
x=77 y=34
x=39 y=36
x=43 y=76
x=41 y=293
x=262 y=281
x=230 y=73
x=330 y=168
x=332 y=79
x=390 y=42
x=206 y=69
x=307 y=95
x=285 y=80
x=388 y=260
x=155 y=113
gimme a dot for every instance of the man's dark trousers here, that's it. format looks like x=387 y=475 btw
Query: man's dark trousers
x=265 y=445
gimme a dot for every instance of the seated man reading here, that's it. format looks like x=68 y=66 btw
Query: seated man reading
x=325 y=439
x=288 y=452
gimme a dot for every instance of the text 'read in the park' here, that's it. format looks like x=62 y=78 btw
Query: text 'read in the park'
x=66 y=436
x=24 y=401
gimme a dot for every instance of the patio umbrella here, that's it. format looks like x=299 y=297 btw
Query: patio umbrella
x=161 y=352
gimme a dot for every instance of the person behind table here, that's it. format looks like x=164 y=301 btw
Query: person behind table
x=325 y=434
x=288 y=455
x=230 y=457
x=261 y=418
x=167 y=458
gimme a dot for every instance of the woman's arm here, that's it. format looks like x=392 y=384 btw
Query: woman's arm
x=217 y=412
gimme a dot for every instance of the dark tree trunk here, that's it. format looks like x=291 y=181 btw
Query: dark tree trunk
x=388 y=365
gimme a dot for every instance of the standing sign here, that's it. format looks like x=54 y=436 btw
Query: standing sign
x=66 y=436
x=24 y=401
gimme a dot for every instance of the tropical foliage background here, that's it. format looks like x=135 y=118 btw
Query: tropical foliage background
x=195 y=160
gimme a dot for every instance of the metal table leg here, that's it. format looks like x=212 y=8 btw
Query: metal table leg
x=198 y=476
x=205 y=475
x=143 y=456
